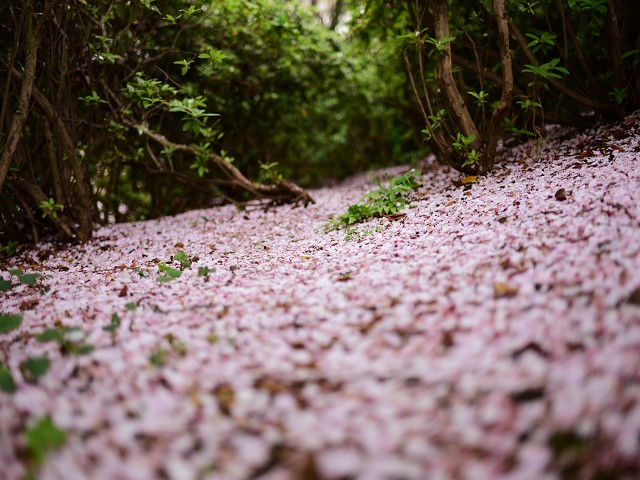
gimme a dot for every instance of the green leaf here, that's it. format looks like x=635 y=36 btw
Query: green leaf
x=115 y=323
x=43 y=437
x=78 y=348
x=183 y=259
x=9 y=322
x=168 y=271
x=5 y=285
x=130 y=306
x=7 y=385
x=55 y=334
x=158 y=357
x=205 y=271
x=15 y=272
x=29 y=278
x=35 y=367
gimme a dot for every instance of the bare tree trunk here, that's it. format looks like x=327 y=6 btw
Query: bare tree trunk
x=457 y=108
x=28 y=78
x=85 y=220
x=493 y=134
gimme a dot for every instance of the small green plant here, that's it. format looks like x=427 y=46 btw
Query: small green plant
x=472 y=158
x=50 y=208
x=619 y=95
x=439 y=43
x=599 y=6
x=542 y=42
x=462 y=142
x=205 y=271
x=216 y=57
x=528 y=105
x=461 y=145
x=167 y=273
x=545 y=71
x=183 y=258
x=158 y=357
x=436 y=123
x=93 y=99
x=43 y=437
x=481 y=96
x=269 y=173
x=383 y=201
x=635 y=54
x=186 y=64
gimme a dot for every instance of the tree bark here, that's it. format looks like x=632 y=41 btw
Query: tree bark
x=28 y=78
x=493 y=133
x=85 y=220
x=457 y=107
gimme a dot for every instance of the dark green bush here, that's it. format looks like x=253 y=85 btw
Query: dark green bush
x=146 y=108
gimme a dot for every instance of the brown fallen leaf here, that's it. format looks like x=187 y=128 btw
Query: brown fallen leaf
x=179 y=245
x=396 y=216
x=470 y=179
x=561 y=195
x=124 y=291
x=226 y=398
x=28 y=304
x=503 y=290
x=585 y=154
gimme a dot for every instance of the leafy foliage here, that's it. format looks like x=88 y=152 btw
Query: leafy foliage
x=382 y=201
x=149 y=91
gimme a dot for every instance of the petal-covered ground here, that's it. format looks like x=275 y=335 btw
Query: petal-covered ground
x=492 y=332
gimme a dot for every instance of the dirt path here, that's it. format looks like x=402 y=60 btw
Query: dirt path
x=493 y=332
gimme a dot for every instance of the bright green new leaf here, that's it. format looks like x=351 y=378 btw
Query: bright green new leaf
x=43 y=437
x=183 y=259
x=169 y=273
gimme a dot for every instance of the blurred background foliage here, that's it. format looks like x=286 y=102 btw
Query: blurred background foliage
x=118 y=111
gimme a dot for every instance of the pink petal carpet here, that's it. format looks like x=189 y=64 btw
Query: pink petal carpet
x=493 y=332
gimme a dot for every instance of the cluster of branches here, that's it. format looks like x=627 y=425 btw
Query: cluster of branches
x=59 y=153
x=482 y=69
